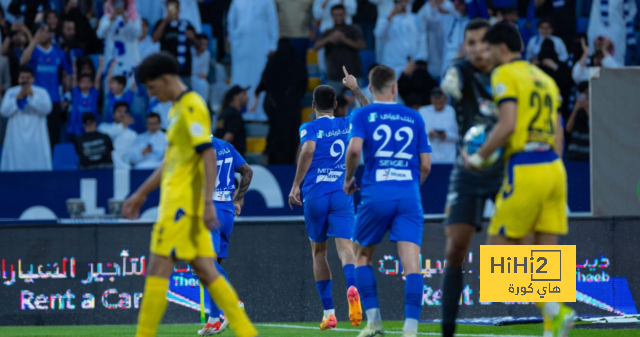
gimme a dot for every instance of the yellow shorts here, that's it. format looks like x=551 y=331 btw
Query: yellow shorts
x=533 y=196
x=181 y=235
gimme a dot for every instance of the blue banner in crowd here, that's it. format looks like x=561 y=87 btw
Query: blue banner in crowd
x=43 y=195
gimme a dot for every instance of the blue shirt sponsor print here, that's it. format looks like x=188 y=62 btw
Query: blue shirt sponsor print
x=394 y=137
x=228 y=161
x=326 y=173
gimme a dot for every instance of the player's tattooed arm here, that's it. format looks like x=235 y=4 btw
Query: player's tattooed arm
x=362 y=99
x=351 y=82
x=246 y=175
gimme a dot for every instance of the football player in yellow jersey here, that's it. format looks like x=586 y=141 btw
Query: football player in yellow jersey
x=186 y=211
x=534 y=192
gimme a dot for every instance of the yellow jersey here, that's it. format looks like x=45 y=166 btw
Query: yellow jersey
x=183 y=178
x=538 y=99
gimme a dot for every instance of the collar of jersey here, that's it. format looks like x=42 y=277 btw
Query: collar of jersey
x=182 y=95
x=384 y=102
x=326 y=116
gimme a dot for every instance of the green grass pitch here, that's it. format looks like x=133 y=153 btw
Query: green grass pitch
x=392 y=328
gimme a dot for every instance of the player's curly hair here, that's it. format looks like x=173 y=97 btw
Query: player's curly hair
x=156 y=65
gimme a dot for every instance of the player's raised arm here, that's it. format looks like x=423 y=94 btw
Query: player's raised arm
x=131 y=206
x=304 y=162
x=351 y=82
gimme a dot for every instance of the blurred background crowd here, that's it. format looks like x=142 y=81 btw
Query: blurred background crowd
x=70 y=99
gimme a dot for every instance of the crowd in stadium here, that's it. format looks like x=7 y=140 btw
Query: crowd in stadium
x=67 y=69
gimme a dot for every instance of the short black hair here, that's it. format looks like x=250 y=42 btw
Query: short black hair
x=202 y=36
x=85 y=75
x=338 y=6
x=120 y=79
x=154 y=115
x=156 y=65
x=120 y=104
x=504 y=32
x=68 y=19
x=507 y=10
x=413 y=99
x=88 y=118
x=25 y=69
x=325 y=98
x=583 y=87
x=476 y=24
x=177 y=2
x=380 y=77
x=545 y=20
x=342 y=101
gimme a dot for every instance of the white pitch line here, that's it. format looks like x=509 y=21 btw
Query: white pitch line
x=287 y=326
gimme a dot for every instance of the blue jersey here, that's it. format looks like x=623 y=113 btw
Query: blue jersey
x=82 y=103
x=46 y=65
x=228 y=162
x=126 y=96
x=394 y=137
x=326 y=173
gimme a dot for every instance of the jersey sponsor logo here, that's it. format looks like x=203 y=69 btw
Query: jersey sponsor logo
x=393 y=174
x=395 y=117
x=500 y=89
x=303 y=133
x=372 y=117
x=329 y=177
x=320 y=134
x=196 y=129
x=179 y=214
x=220 y=196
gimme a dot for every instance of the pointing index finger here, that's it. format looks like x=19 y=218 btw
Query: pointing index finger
x=346 y=73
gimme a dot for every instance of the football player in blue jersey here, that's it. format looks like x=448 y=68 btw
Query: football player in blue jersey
x=328 y=212
x=397 y=161
x=229 y=201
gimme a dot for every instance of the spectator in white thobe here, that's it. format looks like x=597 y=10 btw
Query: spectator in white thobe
x=384 y=9
x=252 y=27
x=26 y=143
x=145 y=42
x=404 y=37
x=442 y=128
x=590 y=64
x=435 y=37
x=545 y=31
x=120 y=27
x=200 y=64
x=121 y=136
x=613 y=19
x=452 y=19
x=148 y=150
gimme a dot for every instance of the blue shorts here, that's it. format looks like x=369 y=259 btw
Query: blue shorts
x=222 y=235
x=329 y=215
x=403 y=219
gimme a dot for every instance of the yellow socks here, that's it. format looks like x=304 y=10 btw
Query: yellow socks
x=227 y=300
x=154 y=303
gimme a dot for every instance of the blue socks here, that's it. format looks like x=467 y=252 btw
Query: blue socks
x=214 y=311
x=413 y=296
x=324 y=289
x=350 y=274
x=367 y=287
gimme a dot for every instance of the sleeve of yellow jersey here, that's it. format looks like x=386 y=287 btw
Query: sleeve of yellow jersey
x=504 y=86
x=199 y=125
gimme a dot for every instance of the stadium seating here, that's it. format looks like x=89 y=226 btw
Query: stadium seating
x=65 y=157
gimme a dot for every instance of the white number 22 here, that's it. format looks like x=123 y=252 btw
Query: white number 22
x=398 y=136
x=220 y=165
